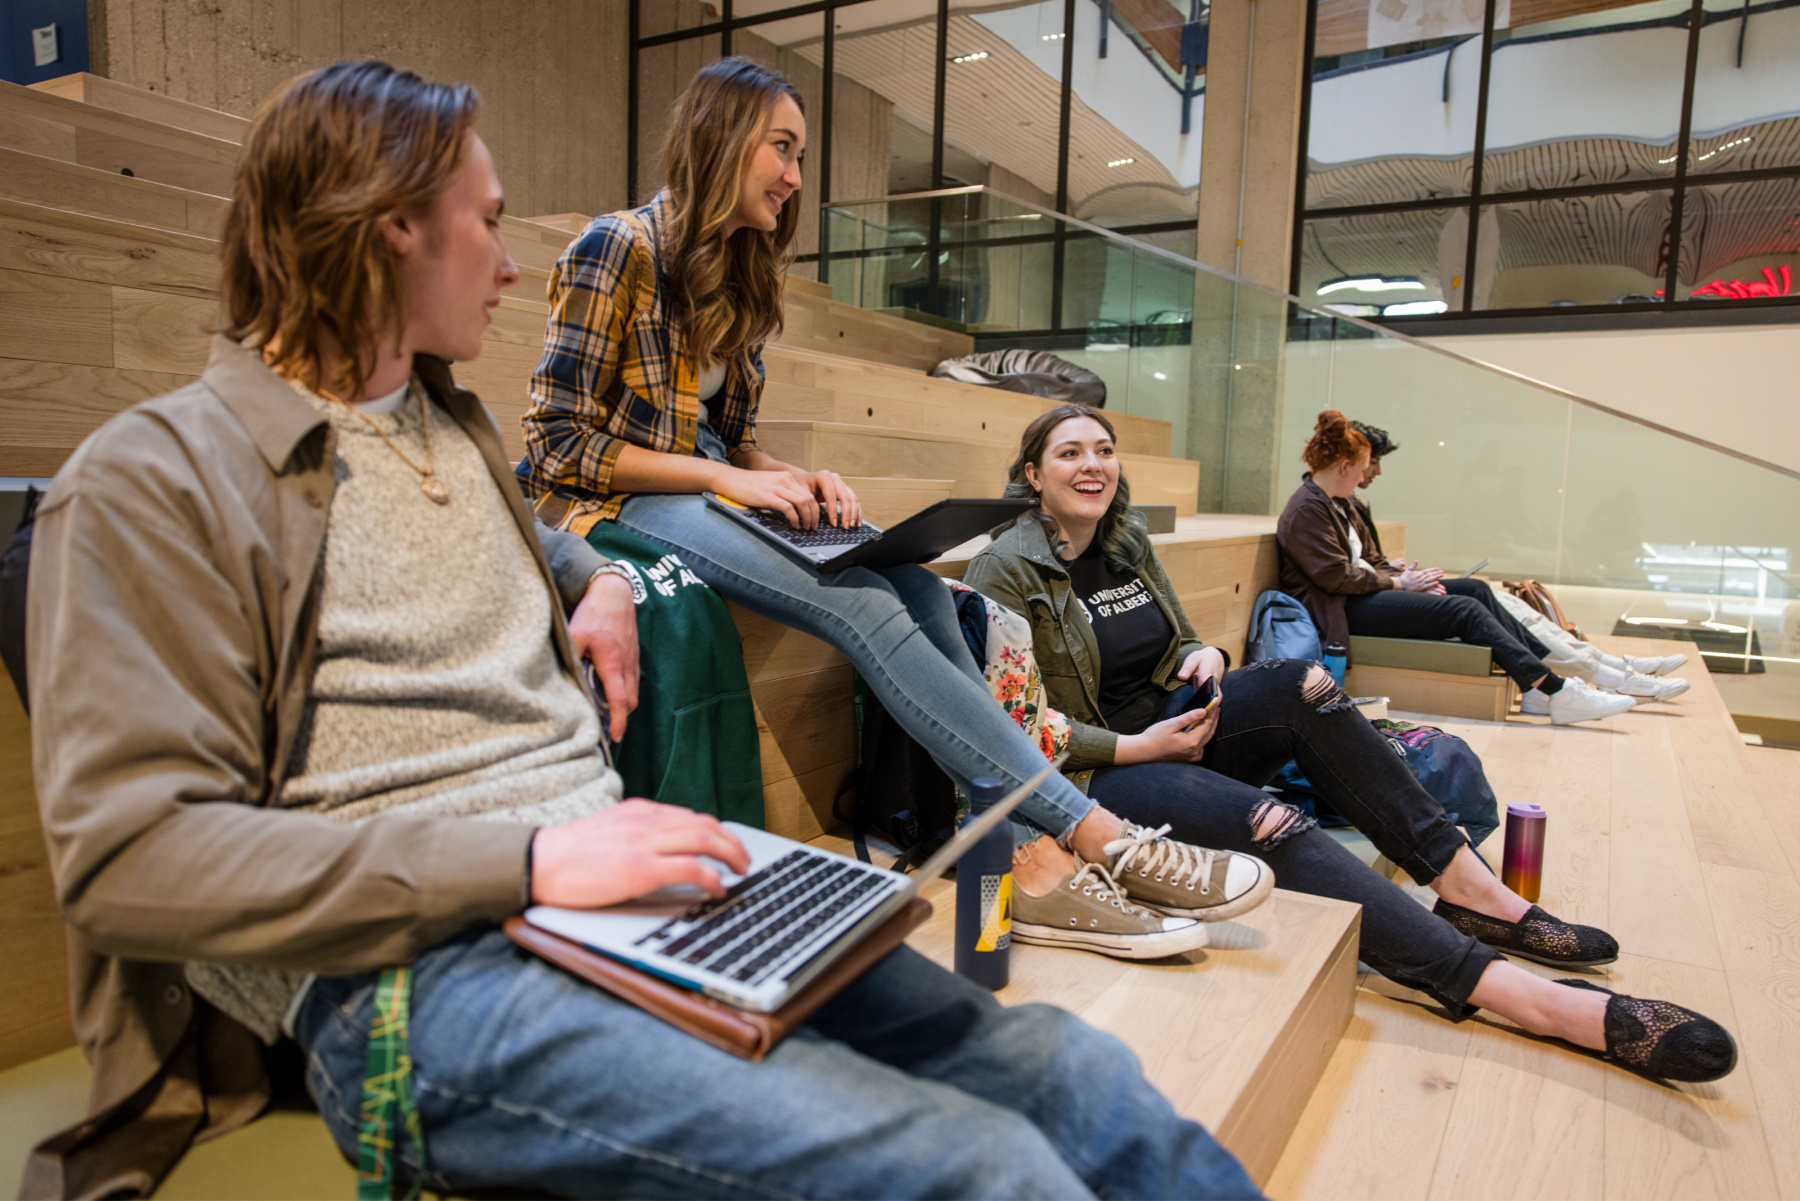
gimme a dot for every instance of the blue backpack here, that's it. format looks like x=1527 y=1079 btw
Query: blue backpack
x=1281 y=628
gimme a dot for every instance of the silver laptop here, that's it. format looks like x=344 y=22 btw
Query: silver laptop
x=794 y=914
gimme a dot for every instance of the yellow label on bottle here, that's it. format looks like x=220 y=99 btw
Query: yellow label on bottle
x=996 y=913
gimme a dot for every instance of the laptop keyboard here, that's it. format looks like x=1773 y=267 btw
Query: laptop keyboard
x=768 y=917
x=825 y=535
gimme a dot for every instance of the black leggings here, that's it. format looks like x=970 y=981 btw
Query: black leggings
x=1469 y=612
x=1268 y=716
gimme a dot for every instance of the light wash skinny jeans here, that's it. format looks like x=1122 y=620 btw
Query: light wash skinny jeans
x=898 y=627
x=912 y=1082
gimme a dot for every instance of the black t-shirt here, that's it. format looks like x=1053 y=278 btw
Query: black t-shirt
x=1133 y=635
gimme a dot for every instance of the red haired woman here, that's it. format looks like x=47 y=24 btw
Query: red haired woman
x=1331 y=563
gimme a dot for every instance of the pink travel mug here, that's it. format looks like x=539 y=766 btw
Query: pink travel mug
x=1522 y=866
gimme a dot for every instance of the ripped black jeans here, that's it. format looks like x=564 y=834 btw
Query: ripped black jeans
x=1267 y=717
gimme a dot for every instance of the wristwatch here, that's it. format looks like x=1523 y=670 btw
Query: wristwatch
x=625 y=572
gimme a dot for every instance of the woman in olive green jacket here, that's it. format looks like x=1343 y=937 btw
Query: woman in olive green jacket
x=1114 y=649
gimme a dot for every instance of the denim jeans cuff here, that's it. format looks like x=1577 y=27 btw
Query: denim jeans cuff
x=1427 y=860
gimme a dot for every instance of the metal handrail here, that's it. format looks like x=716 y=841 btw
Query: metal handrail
x=1383 y=331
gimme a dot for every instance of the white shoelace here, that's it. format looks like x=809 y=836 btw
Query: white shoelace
x=1095 y=881
x=1185 y=866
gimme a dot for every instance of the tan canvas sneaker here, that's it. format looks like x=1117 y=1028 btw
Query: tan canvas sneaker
x=1087 y=911
x=1183 y=880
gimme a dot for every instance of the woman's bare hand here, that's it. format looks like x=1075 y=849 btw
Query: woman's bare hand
x=837 y=503
x=1180 y=739
x=777 y=490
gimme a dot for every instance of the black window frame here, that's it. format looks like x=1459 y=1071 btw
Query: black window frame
x=1667 y=311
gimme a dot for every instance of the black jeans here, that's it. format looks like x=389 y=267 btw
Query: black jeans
x=1269 y=716
x=1469 y=612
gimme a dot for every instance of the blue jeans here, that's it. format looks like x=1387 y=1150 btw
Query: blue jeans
x=897 y=625
x=912 y=1082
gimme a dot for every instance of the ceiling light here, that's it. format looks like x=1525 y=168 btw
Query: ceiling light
x=1052 y=37
x=1121 y=162
x=1158 y=375
x=1415 y=308
x=970 y=58
x=1355 y=310
x=1369 y=283
x=1725 y=627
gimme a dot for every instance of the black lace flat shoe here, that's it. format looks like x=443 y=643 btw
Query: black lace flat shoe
x=1662 y=1039
x=1536 y=936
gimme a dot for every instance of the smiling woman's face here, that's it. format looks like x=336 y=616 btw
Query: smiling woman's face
x=1078 y=475
x=772 y=173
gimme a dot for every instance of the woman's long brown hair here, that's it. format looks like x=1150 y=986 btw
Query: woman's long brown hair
x=727 y=291
x=328 y=157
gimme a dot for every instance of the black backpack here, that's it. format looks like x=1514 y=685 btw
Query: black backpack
x=898 y=792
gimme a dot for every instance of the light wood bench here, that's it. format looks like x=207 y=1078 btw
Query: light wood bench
x=1453 y=679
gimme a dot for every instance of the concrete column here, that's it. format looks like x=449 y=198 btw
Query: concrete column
x=1255 y=61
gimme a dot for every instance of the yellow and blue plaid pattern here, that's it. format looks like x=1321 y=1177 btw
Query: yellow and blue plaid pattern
x=615 y=372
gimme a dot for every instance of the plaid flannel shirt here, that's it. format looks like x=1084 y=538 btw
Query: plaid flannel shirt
x=615 y=372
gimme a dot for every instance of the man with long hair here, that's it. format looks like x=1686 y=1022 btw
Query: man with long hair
x=307 y=708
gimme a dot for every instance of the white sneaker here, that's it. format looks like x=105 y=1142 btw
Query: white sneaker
x=1651 y=688
x=1660 y=665
x=1574 y=701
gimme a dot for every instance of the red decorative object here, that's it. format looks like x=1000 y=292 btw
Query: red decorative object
x=1737 y=289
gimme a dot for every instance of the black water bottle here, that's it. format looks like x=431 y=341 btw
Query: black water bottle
x=984 y=886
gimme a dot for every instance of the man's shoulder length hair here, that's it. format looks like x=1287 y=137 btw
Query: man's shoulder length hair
x=329 y=157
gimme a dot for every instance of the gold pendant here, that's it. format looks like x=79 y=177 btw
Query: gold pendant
x=435 y=490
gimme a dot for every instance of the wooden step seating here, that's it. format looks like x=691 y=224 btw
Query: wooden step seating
x=100 y=92
x=1449 y=678
x=1236 y=1036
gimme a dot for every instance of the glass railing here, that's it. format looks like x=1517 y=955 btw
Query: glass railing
x=1641 y=530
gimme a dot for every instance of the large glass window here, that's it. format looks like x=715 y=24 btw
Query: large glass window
x=1586 y=191
x=1081 y=106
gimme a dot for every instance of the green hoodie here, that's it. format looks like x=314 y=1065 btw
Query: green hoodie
x=1019 y=570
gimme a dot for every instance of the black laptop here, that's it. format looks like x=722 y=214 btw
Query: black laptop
x=919 y=539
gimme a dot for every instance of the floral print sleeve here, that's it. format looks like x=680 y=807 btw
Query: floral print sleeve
x=1011 y=672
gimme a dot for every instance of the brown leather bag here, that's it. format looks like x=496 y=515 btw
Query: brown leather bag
x=1539 y=598
x=745 y=1034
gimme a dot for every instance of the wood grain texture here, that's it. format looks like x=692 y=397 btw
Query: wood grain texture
x=55 y=183
x=55 y=320
x=34 y=1006
x=151 y=106
x=1414 y=1107
x=1484 y=699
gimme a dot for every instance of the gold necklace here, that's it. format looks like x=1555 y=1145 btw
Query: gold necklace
x=435 y=489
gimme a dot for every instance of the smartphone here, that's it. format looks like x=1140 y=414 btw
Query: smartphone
x=1187 y=698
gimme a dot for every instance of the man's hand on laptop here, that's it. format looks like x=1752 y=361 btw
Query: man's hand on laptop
x=628 y=851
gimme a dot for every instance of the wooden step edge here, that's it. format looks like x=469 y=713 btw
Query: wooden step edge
x=1262 y=1117
x=25 y=211
x=809 y=287
x=86 y=88
x=569 y=223
x=47 y=106
x=135 y=183
x=884 y=431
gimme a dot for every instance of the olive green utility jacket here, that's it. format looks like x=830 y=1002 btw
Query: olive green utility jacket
x=1020 y=570
x=172 y=622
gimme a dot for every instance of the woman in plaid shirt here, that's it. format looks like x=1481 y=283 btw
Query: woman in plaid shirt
x=646 y=397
